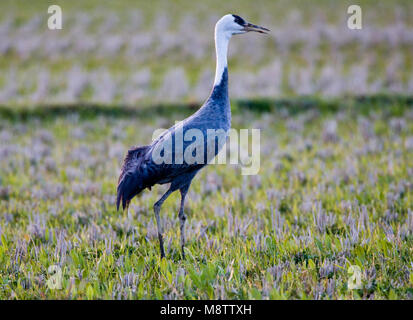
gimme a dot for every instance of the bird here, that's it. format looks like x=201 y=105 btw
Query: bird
x=145 y=166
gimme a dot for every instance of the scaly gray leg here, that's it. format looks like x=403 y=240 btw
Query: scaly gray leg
x=157 y=208
x=182 y=218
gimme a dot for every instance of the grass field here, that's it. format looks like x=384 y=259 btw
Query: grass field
x=334 y=190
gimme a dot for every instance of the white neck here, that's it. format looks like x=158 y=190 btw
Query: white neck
x=221 y=48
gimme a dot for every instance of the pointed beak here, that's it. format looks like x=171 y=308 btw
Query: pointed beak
x=252 y=27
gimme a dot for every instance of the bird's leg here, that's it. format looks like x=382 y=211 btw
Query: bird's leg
x=157 y=208
x=182 y=218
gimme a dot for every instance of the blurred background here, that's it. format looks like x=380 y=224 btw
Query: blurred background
x=335 y=110
x=133 y=52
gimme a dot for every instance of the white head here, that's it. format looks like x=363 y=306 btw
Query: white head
x=227 y=26
x=231 y=24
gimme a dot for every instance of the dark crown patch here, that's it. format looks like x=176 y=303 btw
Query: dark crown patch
x=239 y=20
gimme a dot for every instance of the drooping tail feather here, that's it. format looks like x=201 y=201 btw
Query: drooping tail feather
x=129 y=187
x=130 y=180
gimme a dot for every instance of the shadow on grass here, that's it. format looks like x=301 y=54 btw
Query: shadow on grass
x=391 y=104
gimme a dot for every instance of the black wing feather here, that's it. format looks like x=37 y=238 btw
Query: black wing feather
x=130 y=182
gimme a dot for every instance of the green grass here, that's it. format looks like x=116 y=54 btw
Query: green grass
x=247 y=236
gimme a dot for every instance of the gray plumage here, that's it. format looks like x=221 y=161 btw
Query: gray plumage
x=141 y=171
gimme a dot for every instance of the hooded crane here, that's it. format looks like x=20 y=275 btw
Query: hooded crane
x=145 y=166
